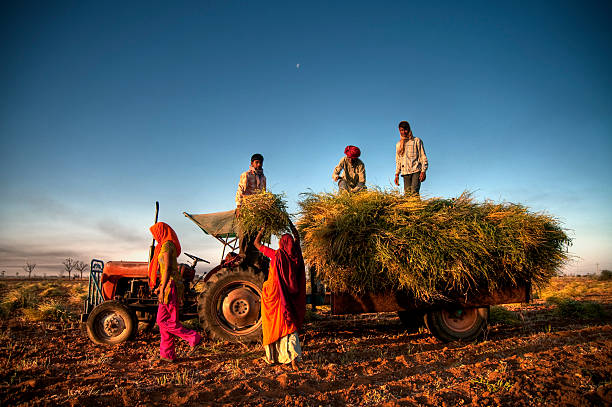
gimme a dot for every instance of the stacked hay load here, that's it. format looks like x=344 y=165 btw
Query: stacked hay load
x=264 y=209
x=378 y=241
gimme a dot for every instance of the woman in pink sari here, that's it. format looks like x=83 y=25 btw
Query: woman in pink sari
x=169 y=291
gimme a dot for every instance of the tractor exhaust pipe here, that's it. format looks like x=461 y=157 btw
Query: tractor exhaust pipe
x=152 y=248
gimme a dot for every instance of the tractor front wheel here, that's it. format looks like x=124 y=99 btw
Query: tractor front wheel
x=111 y=323
x=230 y=305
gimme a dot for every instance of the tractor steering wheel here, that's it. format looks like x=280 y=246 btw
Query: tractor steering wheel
x=195 y=259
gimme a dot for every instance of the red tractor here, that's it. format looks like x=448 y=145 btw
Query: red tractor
x=120 y=302
x=228 y=306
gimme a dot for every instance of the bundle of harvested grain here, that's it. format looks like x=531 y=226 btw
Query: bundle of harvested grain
x=264 y=209
x=378 y=240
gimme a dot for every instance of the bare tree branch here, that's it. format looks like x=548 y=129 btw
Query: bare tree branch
x=81 y=267
x=69 y=265
x=29 y=267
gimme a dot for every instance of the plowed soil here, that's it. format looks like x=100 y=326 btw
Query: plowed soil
x=543 y=358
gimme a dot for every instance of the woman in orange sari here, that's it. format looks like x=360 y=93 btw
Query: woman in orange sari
x=169 y=291
x=283 y=299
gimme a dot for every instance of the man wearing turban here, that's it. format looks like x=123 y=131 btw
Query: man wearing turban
x=353 y=176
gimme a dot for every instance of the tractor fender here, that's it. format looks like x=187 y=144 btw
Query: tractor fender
x=227 y=265
x=213 y=272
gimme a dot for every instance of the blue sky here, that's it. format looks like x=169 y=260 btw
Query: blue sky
x=108 y=107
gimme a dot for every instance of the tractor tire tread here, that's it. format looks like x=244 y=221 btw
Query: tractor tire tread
x=207 y=321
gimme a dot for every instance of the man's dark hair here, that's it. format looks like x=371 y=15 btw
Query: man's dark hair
x=404 y=125
x=257 y=157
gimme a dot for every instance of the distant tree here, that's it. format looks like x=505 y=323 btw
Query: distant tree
x=29 y=267
x=605 y=275
x=17 y=274
x=3 y=273
x=69 y=265
x=81 y=267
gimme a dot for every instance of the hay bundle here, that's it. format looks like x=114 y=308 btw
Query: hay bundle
x=377 y=240
x=264 y=209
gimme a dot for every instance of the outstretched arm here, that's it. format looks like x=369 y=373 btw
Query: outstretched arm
x=257 y=241
x=294 y=231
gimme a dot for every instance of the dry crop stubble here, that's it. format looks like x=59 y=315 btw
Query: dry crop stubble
x=550 y=359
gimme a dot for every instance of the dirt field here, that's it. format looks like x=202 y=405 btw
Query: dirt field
x=537 y=354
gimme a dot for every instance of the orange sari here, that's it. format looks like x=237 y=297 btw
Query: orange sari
x=283 y=300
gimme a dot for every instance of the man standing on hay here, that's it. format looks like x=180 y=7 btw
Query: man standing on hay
x=410 y=160
x=354 y=177
x=251 y=181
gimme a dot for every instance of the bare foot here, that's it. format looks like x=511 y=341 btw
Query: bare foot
x=295 y=366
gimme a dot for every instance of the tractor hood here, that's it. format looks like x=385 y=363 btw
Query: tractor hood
x=127 y=268
x=115 y=270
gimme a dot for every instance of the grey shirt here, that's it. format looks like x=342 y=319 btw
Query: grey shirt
x=354 y=175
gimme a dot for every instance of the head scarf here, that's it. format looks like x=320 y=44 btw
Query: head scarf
x=258 y=172
x=162 y=232
x=292 y=280
x=352 y=152
x=403 y=140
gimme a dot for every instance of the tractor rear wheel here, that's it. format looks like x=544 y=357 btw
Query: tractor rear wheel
x=464 y=324
x=229 y=307
x=111 y=323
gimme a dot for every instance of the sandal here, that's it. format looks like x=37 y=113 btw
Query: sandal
x=193 y=349
x=166 y=360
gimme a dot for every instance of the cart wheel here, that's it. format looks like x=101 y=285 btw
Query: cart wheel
x=464 y=324
x=412 y=320
x=111 y=323
x=229 y=307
